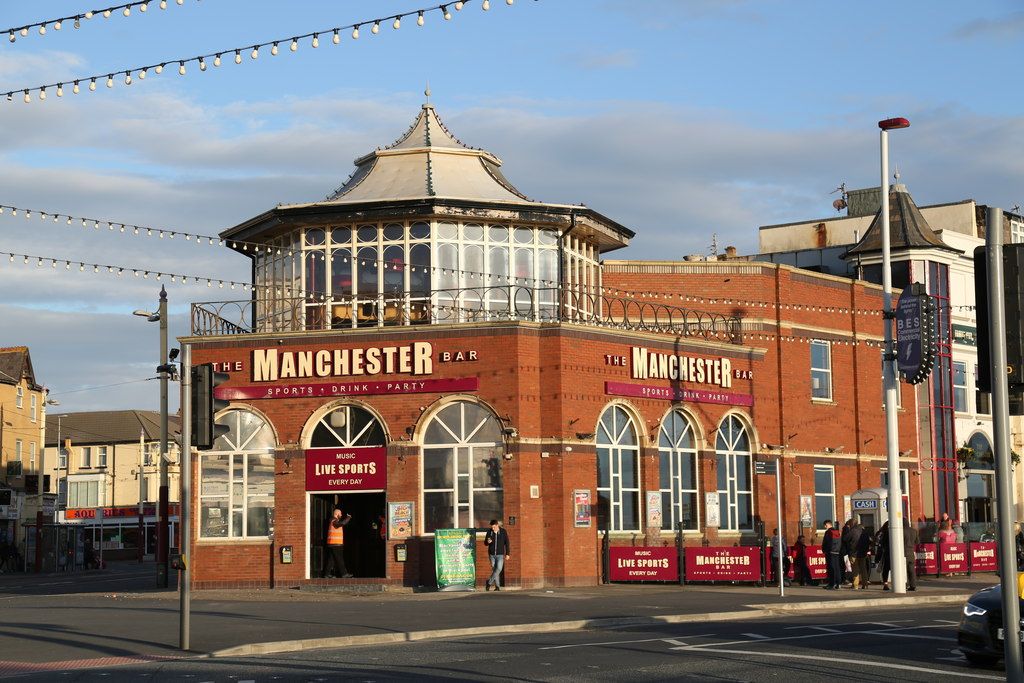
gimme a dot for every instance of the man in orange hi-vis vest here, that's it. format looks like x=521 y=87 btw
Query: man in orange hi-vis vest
x=336 y=545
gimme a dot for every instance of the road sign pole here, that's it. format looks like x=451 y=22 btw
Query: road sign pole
x=185 y=504
x=782 y=534
x=1001 y=432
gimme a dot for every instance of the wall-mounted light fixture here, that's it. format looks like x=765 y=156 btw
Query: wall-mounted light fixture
x=833 y=449
x=584 y=436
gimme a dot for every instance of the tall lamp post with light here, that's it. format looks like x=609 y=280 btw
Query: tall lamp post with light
x=165 y=370
x=898 y=565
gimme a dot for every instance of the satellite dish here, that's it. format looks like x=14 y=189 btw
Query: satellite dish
x=839 y=204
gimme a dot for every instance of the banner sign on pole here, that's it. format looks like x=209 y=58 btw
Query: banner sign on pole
x=915 y=348
x=984 y=557
x=455 y=559
x=635 y=563
x=723 y=564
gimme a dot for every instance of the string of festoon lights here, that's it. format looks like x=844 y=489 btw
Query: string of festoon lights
x=144 y=273
x=253 y=51
x=320 y=252
x=57 y=24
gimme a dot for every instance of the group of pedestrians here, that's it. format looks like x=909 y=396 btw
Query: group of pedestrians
x=10 y=558
x=850 y=550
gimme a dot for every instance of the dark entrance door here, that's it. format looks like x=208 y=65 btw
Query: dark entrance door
x=364 y=540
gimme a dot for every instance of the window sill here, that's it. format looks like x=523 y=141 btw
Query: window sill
x=823 y=402
x=224 y=540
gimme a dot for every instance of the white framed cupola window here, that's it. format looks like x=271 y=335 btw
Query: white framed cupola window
x=618 y=471
x=236 y=479
x=678 y=478
x=462 y=468
x=735 y=485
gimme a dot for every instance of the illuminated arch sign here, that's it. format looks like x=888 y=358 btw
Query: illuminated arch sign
x=915 y=334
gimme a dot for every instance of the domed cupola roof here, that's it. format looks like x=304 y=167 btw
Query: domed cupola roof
x=427 y=162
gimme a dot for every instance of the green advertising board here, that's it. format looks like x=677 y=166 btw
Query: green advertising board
x=455 y=559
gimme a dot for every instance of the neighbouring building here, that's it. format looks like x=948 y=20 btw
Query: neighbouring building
x=933 y=245
x=22 y=427
x=103 y=465
x=429 y=348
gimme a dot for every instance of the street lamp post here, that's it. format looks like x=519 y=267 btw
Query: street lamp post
x=162 y=534
x=898 y=565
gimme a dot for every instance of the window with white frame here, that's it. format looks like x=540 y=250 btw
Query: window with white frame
x=18 y=448
x=618 y=471
x=236 y=479
x=462 y=468
x=32 y=455
x=735 y=485
x=86 y=493
x=33 y=407
x=821 y=370
x=904 y=480
x=348 y=427
x=101 y=456
x=62 y=457
x=1016 y=232
x=960 y=386
x=19 y=397
x=86 y=456
x=677 y=464
x=824 y=494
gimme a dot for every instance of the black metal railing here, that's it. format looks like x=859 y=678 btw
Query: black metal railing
x=452 y=306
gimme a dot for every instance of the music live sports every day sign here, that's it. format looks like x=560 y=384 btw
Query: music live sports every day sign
x=346 y=469
x=633 y=563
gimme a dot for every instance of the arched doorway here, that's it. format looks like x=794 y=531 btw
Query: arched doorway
x=346 y=460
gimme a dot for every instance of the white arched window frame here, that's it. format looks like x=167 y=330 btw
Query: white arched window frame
x=461 y=471
x=618 y=470
x=735 y=483
x=236 y=479
x=347 y=426
x=678 y=473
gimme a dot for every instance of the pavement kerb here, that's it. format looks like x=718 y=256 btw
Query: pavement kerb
x=752 y=612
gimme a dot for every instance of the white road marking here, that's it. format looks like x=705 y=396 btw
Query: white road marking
x=947 y=621
x=831 y=659
x=619 y=642
x=756 y=636
x=816 y=628
x=673 y=641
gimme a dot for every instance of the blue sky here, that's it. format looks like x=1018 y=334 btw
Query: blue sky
x=676 y=118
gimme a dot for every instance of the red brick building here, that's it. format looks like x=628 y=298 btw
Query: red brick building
x=428 y=348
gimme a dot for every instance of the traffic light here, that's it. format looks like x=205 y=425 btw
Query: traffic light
x=1013 y=272
x=205 y=406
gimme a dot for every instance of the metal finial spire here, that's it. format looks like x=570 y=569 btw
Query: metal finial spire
x=426 y=92
x=896 y=175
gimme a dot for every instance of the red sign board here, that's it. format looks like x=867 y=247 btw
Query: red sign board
x=723 y=564
x=925 y=561
x=643 y=564
x=815 y=562
x=365 y=388
x=677 y=394
x=122 y=511
x=346 y=469
x=953 y=558
x=984 y=557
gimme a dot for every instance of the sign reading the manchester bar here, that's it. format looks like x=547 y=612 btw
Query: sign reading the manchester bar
x=649 y=364
x=270 y=365
x=346 y=469
x=723 y=564
x=632 y=563
x=677 y=394
x=984 y=557
x=315 y=389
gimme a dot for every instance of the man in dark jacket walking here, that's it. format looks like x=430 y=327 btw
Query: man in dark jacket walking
x=858 y=545
x=498 y=550
x=910 y=541
x=831 y=547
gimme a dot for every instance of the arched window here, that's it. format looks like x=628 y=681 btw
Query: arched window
x=618 y=480
x=462 y=481
x=236 y=479
x=677 y=464
x=981 y=455
x=348 y=427
x=735 y=489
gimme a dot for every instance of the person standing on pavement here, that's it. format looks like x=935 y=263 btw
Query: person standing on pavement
x=802 y=570
x=831 y=548
x=336 y=545
x=882 y=555
x=946 y=533
x=498 y=550
x=910 y=541
x=858 y=544
x=845 y=551
x=779 y=547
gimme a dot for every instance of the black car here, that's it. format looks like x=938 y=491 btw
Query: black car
x=981 y=626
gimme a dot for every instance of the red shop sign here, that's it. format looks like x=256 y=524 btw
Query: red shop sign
x=723 y=564
x=984 y=557
x=815 y=562
x=953 y=558
x=924 y=560
x=633 y=563
x=346 y=469
x=123 y=511
x=677 y=394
